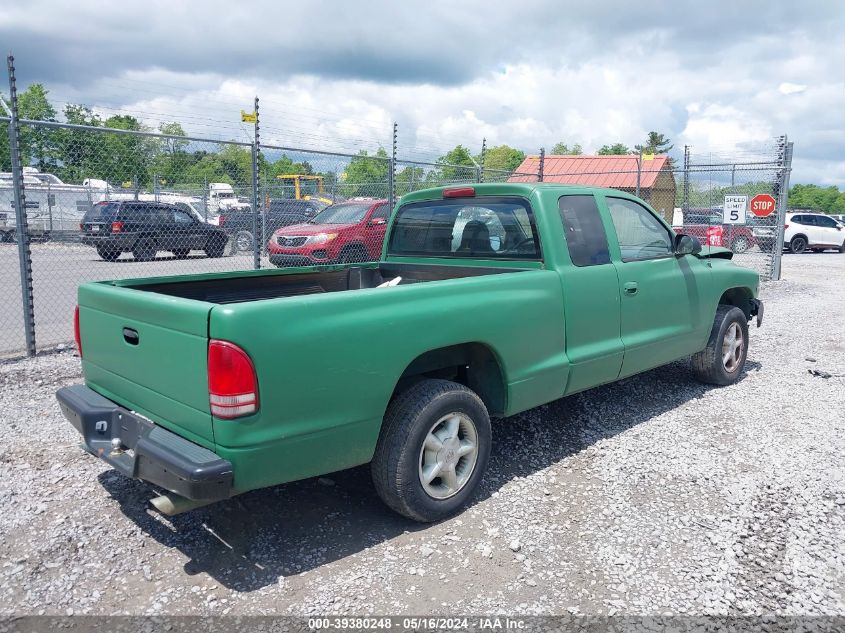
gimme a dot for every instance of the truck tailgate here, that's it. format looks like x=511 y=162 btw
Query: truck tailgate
x=148 y=353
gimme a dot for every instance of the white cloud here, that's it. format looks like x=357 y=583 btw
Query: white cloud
x=788 y=88
x=527 y=75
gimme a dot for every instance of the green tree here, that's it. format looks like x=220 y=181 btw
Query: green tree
x=825 y=199
x=125 y=157
x=617 y=149
x=502 y=158
x=409 y=179
x=457 y=164
x=562 y=149
x=656 y=143
x=366 y=175
x=38 y=144
x=80 y=152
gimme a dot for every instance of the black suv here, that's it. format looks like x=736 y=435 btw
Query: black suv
x=144 y=228
x=279 y=213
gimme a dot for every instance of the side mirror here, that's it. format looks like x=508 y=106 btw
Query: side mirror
x=686 y=245
x=378 y=222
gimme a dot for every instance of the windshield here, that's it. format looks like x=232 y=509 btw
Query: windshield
x=309 y=187
x=342 y=214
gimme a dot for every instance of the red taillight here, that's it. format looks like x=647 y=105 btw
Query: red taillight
x=81 y=226
x=232 y=383
x=76 y=336
x=785 y=226
x=459 y=192
x=116 y=227
x=221 y=220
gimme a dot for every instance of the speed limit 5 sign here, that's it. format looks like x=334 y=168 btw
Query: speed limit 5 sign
x=734 y=209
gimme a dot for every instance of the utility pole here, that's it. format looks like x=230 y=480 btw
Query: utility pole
x=542 y=166
x=483 y=157
x=391 y=171
x=639 y=169
x=21 y=224
x=257 y=241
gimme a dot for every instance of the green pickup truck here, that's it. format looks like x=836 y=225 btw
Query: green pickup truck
x=488 y=300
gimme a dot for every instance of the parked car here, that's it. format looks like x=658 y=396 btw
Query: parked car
x=144 y=228
x=352 y=231
x=274 y=376
x=239 y=224
x=815 y=231
x=737 y=237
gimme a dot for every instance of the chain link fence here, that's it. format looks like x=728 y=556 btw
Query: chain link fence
x=124 y=204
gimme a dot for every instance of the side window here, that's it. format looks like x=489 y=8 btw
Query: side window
x=182 y=218
x=583 y=230
x=382 y=212
x=640 y=234
x=828 y=223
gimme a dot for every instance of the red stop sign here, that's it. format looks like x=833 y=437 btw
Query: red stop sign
x=763 y=205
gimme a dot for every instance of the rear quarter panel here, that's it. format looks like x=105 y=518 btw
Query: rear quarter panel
x=328 y=364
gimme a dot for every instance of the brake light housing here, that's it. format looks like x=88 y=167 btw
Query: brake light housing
x=116 y=227
x=221 y=220
x=232 y=381
x=459 y=192
x=77 y=337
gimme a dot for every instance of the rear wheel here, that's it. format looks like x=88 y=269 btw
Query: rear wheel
x=215 y=246
x=432 y=451
x=144 y=249
x=721 y=362
x=740 y=244
x=798 y=244
x=108 y=254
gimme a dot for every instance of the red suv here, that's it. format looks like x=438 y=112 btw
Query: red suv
x=350 y=231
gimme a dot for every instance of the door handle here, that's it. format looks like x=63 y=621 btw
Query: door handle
x=631 y=288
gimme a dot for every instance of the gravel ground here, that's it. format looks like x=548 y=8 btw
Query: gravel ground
x=654 y=495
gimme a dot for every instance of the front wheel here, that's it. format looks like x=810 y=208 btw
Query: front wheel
x=433 y=450
x=842 y=247
x=215 y=247
x=243 y=241
x=798 y=244
x=721 y=362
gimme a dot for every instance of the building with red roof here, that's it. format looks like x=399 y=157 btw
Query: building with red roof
x=657 y=182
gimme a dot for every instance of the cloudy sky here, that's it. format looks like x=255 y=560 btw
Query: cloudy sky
x=335 y=75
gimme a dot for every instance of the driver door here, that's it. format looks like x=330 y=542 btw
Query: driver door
x=662 y=315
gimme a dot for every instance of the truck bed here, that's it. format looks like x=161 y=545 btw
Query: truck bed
x=245 y=289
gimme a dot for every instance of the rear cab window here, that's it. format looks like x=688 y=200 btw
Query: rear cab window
x=488 y=227
x=583 y=230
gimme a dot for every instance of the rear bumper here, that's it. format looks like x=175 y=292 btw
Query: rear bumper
x=145 y=450
x=116 y=242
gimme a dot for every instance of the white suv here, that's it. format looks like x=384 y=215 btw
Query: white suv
x=814 y=231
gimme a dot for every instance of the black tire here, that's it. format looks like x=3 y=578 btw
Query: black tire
x=709 y=365
x=181 y=253
x=215 y=247
x=740 y=244
x=353 y=255
x=396 y=464
x=798 y=244
x=144 y=249
x=108 y=254
x=842 y=247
